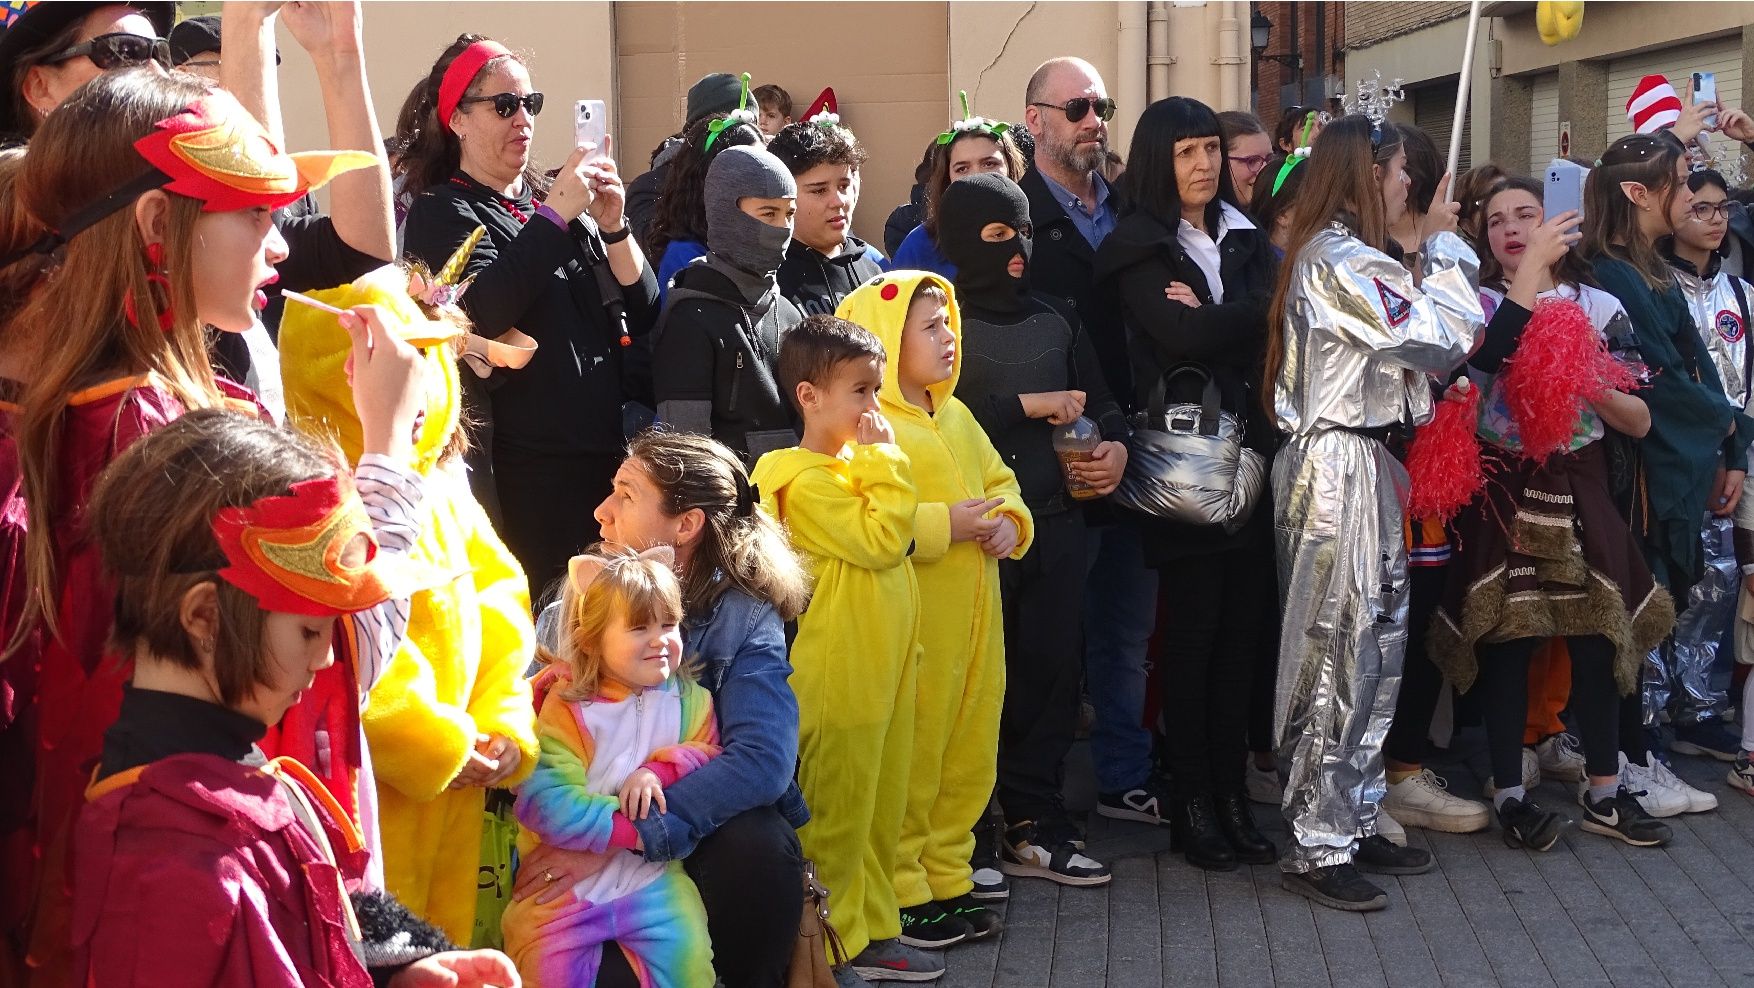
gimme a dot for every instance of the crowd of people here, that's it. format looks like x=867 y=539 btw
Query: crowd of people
x=514 y=575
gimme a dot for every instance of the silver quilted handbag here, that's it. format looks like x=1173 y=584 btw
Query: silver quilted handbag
x=1186 y=463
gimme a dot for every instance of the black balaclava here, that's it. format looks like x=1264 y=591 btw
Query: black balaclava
x=969 y=205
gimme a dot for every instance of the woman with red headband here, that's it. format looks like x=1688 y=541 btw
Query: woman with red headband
x=149 y=201
x=559 y=265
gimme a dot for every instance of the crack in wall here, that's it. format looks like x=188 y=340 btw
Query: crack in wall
x=981 y=76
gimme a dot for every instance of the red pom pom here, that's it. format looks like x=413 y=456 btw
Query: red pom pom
x=1560 y=365
x=1444 y=461
x=889 y=292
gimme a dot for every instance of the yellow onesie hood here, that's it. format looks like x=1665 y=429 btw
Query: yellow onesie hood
x=313 y=358
x=880 y=305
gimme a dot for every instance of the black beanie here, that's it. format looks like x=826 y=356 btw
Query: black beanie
x=967 y=206
x=714 y=93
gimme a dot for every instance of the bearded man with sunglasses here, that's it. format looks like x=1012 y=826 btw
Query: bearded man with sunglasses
x=51 y=49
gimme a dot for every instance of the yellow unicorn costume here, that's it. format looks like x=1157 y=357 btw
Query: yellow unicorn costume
x=460 y=673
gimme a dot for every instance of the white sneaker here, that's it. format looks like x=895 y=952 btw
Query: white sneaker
x=1531 y=773
x=1263 y=785
x=1389 y=829
x=1657 y=799
x=1698 y=801
x=1424 y=800
x=1560 y=758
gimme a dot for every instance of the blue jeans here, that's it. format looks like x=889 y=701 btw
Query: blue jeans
x=1120 y=612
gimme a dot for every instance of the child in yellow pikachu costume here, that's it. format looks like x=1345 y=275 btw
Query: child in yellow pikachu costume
x=451 y=714
x=970 y=515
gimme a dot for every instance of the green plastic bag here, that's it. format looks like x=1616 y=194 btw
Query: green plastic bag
x=499 y=868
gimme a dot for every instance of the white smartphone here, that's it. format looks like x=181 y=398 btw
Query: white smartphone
x=1564 y=187
x=590 y=125
x=1705 y=91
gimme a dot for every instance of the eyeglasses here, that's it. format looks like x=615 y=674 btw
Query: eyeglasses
x=1253 y=162
x=506 y=104
x=113 y=51
x=1079 y=107
x=1705 y=212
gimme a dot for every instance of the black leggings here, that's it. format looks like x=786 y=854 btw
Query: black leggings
x=1408 y=741
x=1504 y=703
x=750 y=873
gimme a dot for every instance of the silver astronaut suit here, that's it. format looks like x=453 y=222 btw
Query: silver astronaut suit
x=1360 y=344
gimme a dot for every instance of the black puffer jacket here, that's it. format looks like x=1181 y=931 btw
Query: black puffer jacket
x=1229 y=339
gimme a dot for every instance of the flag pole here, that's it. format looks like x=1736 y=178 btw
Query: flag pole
x=1463 y=85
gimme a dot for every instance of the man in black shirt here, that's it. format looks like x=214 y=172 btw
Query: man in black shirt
x=825 y=262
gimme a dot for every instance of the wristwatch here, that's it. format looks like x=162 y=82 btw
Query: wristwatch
x=619 y=235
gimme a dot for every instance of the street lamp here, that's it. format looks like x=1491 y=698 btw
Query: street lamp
x=1260 y=33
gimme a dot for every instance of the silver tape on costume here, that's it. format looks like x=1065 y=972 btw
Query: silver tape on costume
x=1360 y=341
x=1718 y=315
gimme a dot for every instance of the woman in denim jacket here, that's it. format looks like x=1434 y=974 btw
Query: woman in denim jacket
x=735 y=819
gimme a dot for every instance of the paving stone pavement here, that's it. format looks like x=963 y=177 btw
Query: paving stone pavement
x=1591 y=911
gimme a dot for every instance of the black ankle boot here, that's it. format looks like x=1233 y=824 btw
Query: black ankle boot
x=1238 y=824
x=1194 y=830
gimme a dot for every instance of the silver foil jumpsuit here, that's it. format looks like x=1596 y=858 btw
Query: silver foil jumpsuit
x=1361 y=345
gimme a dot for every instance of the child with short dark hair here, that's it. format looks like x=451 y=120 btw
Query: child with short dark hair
x=776 y=108
x=846 y=496
x=825 y=262
x=970 y=516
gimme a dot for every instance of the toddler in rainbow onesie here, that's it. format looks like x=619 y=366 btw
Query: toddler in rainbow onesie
x=846 y=497
x=618 y=724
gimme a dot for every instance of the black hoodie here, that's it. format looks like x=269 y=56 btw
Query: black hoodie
x=815 y=282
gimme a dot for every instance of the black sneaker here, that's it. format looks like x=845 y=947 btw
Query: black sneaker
x=982 y=922
x=990 y=884
x=1337 y=887
x=1620 y=815
x=1030 y=851
x=1147 y=804
x=1376 y=854
x=1527 y=825
x=929 y=927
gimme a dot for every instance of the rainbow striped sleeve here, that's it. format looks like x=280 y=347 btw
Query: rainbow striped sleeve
x=555 y=802
x=700 y=737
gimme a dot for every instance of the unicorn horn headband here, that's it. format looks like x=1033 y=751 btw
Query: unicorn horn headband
x=971 y=123
x=741 y=115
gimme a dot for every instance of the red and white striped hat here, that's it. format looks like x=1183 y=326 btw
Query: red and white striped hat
x=1653 y=105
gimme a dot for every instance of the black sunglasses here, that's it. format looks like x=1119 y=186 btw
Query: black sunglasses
x=1079 y=107
x=113 y=51
x=506 y=104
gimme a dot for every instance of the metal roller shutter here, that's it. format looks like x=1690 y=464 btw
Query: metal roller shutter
x=1544 y=123
x=1434 y=111
x=1721 y=55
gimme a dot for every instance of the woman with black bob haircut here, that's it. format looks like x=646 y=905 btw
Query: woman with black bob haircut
x=1194 y=278
x=558 y=263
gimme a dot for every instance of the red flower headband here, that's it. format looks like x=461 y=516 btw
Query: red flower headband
x=290 y=552
x=461 y=72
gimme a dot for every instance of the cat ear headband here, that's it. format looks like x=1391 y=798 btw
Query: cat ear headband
x=583 y=569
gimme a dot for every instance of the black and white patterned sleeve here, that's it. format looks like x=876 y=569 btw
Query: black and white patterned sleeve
x=392 y=494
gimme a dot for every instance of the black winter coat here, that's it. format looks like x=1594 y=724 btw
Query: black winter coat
x=1063 y=264
x=816 y=283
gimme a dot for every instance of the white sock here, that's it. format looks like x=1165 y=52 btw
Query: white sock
x=1514 y=792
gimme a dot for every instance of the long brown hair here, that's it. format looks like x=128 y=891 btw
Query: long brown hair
x=1611 y=218
x=680 y=213
x=939 y=179
x=1571 y=270
x=741 y=546
x=430 y=153
x=17 y=226
x=1343 y=185
x=152 y=516
x=85 y=151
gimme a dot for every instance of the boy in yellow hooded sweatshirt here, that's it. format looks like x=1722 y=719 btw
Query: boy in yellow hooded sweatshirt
x=451 y=714
x=970 y=515
x=846 y=497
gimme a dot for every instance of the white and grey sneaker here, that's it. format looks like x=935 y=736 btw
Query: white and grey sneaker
x=1698 y=800
x=1656 y=798
x=1424 y=800
x=1032 y=851
x=1263 y=785
x=892 y=960
x=1559 y=757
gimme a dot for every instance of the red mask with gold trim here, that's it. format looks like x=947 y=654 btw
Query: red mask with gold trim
x=310 y=552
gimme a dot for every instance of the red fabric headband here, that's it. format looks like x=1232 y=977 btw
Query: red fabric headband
x=461 y=73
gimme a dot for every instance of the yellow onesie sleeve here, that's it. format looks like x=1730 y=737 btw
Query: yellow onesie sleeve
x=501 y=702
x=1000 y=481
x=931 y=531
x=418 y=742
x=871 y=529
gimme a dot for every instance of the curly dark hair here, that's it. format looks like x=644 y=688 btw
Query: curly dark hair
x=803 y=146
x=430 y=154
x=681 y=209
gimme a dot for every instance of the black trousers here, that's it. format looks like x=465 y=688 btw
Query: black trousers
x=1044 y=655
x=1264 y=681
x=1409 y=734
x=750 y=873
x=1215 y=606
x=546 y=504
x=1504 y=703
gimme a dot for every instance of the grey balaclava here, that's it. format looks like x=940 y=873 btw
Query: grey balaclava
x=739 y=239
